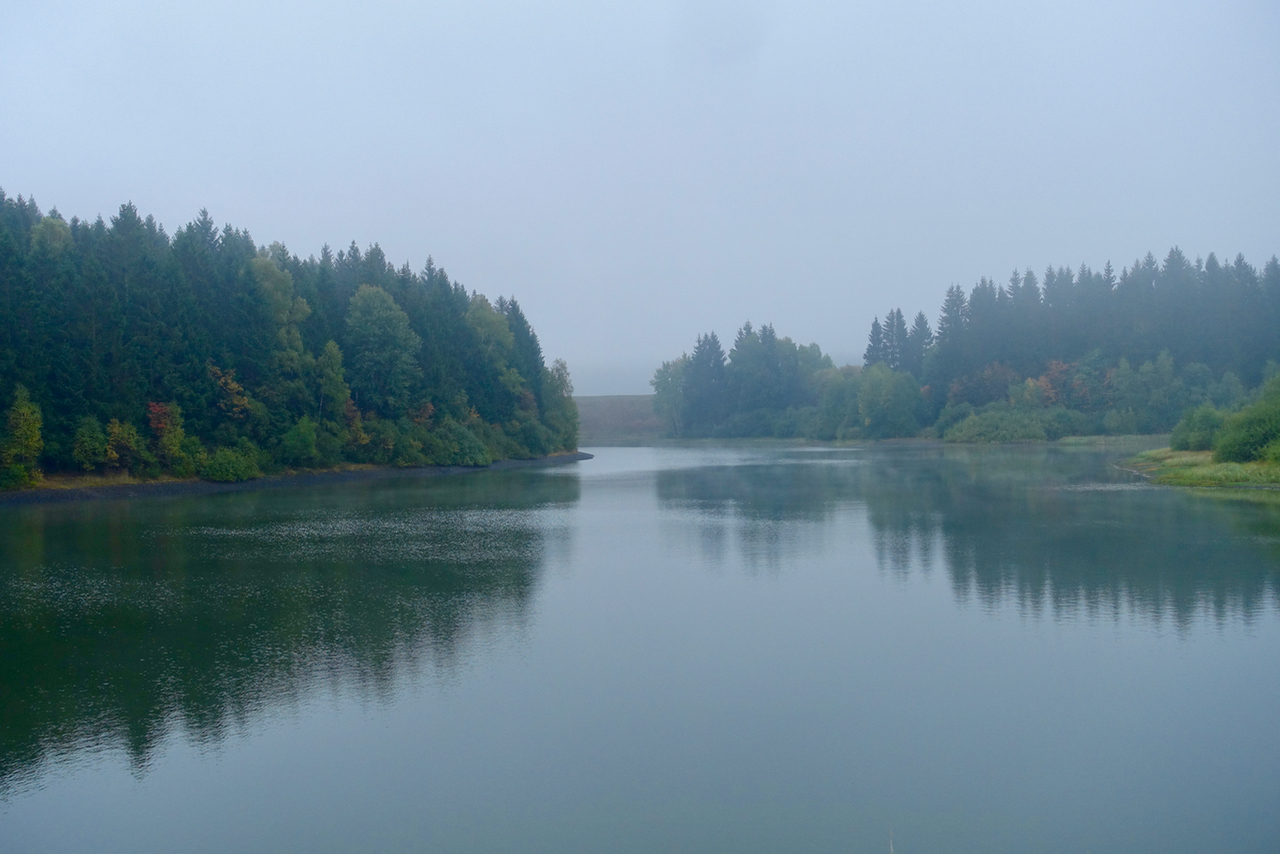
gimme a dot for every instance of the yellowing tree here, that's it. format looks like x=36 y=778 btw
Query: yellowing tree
x=24 y=443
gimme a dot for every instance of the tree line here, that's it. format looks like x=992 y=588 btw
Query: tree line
x=202 y=353
x=758 y=388
x=1075 y=352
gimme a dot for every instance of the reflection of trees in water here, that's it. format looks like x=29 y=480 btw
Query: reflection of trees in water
x=1058 y=529
x=775 y=510
x=121 y=620
x=1040 y=527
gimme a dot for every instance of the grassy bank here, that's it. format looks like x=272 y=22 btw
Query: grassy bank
x=1197 y=468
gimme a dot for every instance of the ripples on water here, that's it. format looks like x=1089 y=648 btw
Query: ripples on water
x=122 y=621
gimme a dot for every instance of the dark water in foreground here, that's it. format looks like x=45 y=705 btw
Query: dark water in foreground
x=744 y=649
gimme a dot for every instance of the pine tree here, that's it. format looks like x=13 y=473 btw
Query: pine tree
x=895 y=340
x=527 y=352
x=705 y=386
x=875 y=352
x=951 y=320
x=919 y=339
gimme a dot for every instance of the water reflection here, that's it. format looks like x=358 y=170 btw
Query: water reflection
x=119 y=621
x=763 y=510
x=1048 y=530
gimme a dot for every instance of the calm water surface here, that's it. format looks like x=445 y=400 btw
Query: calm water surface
x=739 y=649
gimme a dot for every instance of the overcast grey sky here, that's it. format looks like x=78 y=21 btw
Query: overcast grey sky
x=636 y=174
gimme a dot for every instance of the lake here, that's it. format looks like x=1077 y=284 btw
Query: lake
x=750 y=648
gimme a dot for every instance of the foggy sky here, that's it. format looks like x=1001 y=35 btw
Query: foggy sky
x=636 y=174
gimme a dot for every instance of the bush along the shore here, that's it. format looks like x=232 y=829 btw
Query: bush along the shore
x=204 y=354
x=1253 y=433
x=1197 y=428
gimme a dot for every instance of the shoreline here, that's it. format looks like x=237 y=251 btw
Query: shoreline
x=184 y=488
x=1197 y=470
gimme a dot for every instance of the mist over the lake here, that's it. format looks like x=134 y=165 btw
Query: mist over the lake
x=639 y=174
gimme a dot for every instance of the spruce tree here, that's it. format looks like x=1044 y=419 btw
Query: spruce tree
x=875 y=345
x=705 y=386
x=951 y=320
x=919 y=339
x=895 y=340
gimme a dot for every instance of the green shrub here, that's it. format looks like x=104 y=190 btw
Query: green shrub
x=748 y=425
x=1121 y=422
x=124 y=446
x=951 y=415
x=190 y=458
x=1059 y=422
x=461 y=445
x=18 y=476
x=794 y=422
x=536 y=439
x=383 y=435
x=999 y=426
x=298 y=446
x=89 y=448
x=229 y=465
x=494 y=440
x=410 y=445
x=1245 y=434
x=889 y=403
x=1196 y=430
x=330 y=439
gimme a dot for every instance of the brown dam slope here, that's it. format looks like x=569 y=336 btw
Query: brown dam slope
x=617 y=419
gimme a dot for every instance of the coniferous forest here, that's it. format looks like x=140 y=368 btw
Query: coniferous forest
x=124 y=348
x=1077 y=352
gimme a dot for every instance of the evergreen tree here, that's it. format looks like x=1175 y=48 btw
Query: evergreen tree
x=985 y=326
x=705 y=389
x=951 y=320
x=946 y=359
x=895 y=340
x=919 y=339
x=763 y=370
x=526 y=351
x=875 y=351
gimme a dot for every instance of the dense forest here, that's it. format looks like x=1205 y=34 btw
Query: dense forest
x=123 y=348
x=1076 y=352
